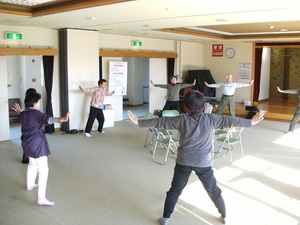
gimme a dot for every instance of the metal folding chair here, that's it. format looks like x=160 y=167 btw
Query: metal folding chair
x=225 y=140
x=166 y=141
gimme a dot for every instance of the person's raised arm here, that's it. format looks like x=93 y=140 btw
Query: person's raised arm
x=17 y=108
x=278 y=89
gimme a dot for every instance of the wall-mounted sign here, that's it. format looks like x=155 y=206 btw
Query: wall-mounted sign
x=136 y=43
x=244 y=72
x=118 y=77
x=13 y=36
x=217 y=50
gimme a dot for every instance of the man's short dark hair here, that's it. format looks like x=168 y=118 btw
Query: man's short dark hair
x=194 y=101
x=32 y=98
x=101 y=81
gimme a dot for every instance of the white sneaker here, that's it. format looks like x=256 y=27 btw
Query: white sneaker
x=87 y=135
x=103 y=132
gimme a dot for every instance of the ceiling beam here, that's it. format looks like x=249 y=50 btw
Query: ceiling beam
x=136 y=54
x=28 y=51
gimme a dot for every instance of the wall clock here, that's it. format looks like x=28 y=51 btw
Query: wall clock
x=230 y=53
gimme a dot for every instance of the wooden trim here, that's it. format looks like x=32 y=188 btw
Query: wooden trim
x=136 y=54
x=28 y=51
x=278 y=45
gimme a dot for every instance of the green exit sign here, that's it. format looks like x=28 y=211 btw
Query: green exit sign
x=13 y=36
x=136 y=43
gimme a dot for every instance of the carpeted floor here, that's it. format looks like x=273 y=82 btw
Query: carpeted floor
x=111 y=179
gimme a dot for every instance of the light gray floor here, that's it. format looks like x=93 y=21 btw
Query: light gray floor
x=140 y=110
x=111 y=179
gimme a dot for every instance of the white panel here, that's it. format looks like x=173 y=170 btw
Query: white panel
x=83 y=69
x=4 y=121
x=158 y=74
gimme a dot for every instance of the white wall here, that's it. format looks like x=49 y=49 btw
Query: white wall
x=219 y=66
x=4 y=121
x=83 y=69
x=265 y=74
x=157 y=71
x=13 y=76
x=191 y=58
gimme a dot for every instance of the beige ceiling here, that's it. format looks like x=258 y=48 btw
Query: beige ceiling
x=187 y=20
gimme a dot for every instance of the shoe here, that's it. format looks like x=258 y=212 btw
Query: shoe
x=87 y=135
x=223 y=220
x=103 y=132
x=163 y=221
x=25 y=159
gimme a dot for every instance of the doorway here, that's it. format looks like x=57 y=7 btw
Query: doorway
x=137 y=87
x=23 y=72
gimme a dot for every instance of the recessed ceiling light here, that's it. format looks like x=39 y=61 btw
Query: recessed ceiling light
x=271 y=27
x=284 y=30
x=221 y=20
x=147 y=25
x=92 y=18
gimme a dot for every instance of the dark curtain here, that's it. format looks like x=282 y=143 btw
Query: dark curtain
x=170 y=68
x=257 y=69
x=48 y=63
x=100 y=67
x=63 y=77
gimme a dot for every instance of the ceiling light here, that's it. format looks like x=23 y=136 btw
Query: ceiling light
x=271 y=27
x=92 y=18
x=210 y=30
x=283 y=30
x=221 y=20
x=147 y=25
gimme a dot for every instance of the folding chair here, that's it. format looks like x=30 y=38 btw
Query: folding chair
x=226 y=139
x=165 y=140
x=149 y=131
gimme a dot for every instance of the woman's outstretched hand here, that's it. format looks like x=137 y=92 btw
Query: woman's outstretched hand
x=65 y=118
x=133 y=117
x=259 y=116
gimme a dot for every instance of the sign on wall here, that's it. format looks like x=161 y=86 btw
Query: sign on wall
x=244 y=72
x=217 y=50
x=118 y=77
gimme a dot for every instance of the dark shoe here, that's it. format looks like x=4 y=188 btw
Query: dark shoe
x=25 y=160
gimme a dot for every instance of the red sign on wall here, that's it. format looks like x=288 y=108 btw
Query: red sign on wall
x=217 y=50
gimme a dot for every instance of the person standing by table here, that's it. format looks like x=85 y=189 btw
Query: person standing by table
x=96 y=108
x=228 y=89
x=297 y=112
